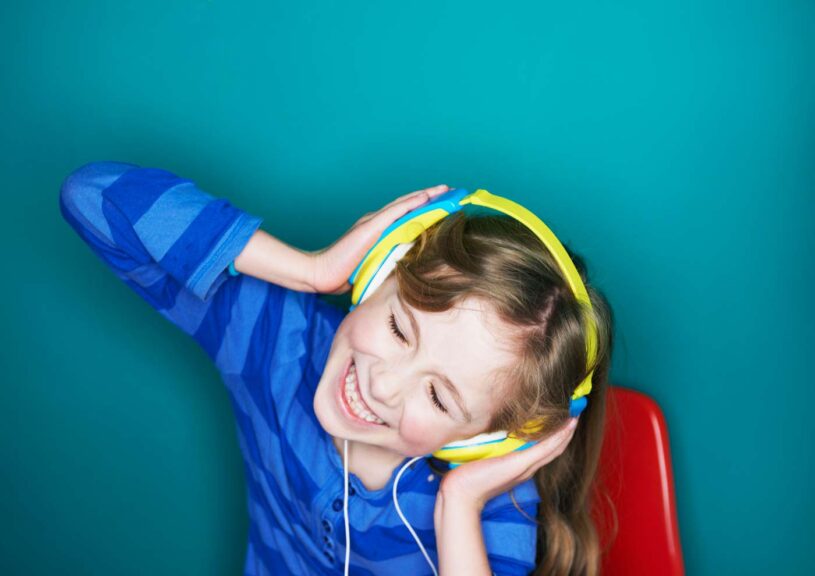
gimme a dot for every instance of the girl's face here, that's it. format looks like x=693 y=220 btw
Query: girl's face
x=409 y=381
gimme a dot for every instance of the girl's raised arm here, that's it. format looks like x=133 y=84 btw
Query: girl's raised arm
x=168 y=240
x=326 y=270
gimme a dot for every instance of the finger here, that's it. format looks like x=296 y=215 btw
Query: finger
x=425 y=194
x=365 y=231
x=546 y=450
x=549 y=454
x=395 y=210
x=410 y=199
x=431 y=191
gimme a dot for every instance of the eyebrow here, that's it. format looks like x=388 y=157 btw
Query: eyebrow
x=444 y=379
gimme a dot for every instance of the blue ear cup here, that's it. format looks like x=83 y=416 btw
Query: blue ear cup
x=577 y=405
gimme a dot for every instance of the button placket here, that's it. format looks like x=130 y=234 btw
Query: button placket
x=326 y=526
x=326 y=522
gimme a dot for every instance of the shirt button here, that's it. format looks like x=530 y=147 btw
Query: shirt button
x=337 y=505
x=327 y=526
x=329 y=556
x=327 y=541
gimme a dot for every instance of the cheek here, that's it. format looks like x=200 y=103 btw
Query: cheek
x=421 y=435
x=361 y=333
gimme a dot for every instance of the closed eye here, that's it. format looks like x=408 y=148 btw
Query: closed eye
x=434 y=397
x=395 y=328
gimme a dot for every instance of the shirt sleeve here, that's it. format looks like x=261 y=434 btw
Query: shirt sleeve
x=510 y=536
x=169 y=241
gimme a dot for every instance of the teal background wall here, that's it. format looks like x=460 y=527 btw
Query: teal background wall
x=671 y=143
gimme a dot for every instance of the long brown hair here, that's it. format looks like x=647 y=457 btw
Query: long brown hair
x=499 y=260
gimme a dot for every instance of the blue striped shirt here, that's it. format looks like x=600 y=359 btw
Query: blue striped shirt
x=173 y=243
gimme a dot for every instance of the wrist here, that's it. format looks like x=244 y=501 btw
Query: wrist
x=455 y=492
x=457 y=501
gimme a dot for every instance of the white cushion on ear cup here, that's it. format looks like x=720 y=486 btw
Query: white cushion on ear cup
x=387 y=266
x=477 y=440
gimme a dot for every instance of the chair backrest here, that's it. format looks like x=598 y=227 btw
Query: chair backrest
x=635 y=472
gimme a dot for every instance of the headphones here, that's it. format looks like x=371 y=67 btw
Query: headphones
x=394 y=243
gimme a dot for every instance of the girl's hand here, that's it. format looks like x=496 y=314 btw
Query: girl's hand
x=332 y=266
x=474 y=483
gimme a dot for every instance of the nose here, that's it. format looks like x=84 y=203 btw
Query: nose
x=386 y=386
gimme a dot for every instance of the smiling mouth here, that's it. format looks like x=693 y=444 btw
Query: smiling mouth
x=353 y=398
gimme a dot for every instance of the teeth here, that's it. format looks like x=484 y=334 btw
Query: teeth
x=354 y=399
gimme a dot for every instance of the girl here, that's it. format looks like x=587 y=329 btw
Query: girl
x=475 y=331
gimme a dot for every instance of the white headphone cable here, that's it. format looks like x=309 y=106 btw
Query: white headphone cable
x=345 y=505
x=404 y=520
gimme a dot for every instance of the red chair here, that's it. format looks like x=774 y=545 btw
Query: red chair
x=635 y=471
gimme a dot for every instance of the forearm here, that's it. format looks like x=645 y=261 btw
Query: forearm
x=459 y=541
x=274 y=261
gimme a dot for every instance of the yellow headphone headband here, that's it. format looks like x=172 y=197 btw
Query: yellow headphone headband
x=542 y=231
